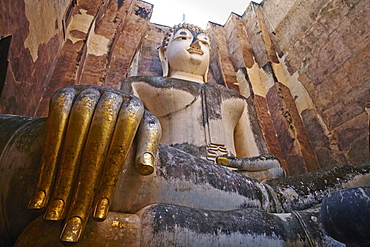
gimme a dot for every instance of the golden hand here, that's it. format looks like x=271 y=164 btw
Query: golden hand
x=90 y=130
x=261 y=167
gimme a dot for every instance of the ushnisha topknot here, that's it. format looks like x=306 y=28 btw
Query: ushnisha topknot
x=169 y=33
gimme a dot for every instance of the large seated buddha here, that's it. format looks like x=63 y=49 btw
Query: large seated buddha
x=165 y=161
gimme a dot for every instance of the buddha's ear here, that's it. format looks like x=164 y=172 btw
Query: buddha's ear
x=164 y=61
x=205 y=75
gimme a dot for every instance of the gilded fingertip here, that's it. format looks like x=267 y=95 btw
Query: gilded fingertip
x=101 y=209
x=72 y=230
x=222 y=160
x=55 y=210
x=38 y=201
x=145 y=164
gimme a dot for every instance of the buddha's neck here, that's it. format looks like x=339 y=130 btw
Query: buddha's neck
x=187 y=76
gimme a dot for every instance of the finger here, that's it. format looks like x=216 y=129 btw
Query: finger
x=78 y=125
x=126 y=127
x=275 y=172
x=59 y=109
x=252 y=164
x=149 y=135
x=92 y=161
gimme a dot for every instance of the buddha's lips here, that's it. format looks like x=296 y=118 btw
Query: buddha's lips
x=197 y=51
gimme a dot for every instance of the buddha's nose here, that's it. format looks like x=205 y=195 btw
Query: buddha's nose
x=196 y=44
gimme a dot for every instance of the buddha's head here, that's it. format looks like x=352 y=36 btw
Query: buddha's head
x=184 y=53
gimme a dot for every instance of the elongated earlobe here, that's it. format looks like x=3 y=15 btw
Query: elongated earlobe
x=205 y=75
x=164 y=61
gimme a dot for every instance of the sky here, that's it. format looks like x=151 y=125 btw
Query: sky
x=197 y=12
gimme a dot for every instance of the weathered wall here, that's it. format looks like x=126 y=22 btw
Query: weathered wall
x=36 y=31
x=325 y=47
x=302 y=63
x=101 y=43
x=310 y=69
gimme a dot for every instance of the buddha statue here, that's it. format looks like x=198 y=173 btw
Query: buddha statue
x=201 y=118
x=147 y=162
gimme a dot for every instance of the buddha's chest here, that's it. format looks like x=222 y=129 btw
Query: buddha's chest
x=212 y=102
x=203 y=119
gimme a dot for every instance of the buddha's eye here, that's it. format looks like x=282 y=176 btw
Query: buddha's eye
x=204 y=39
x=183 y=35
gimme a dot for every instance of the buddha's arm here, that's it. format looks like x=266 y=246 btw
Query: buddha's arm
x=90 y=130
x=251 y=150
x=248 y=138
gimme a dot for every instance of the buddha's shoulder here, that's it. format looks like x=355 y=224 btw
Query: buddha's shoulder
x=160 y=82
x=217 y=89
x=194 y=88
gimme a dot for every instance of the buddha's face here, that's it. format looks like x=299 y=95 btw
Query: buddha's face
x=188 y=51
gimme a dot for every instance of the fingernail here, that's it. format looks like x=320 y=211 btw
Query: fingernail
x=38 y=200
x=101 y=209
x=72 y=230
x=145 y=164
x=222 y=160
x=55 y=211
